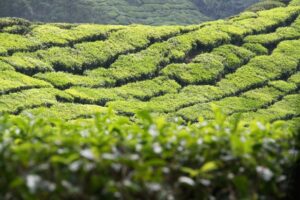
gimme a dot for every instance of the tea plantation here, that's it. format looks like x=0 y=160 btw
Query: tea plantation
x=207 y=111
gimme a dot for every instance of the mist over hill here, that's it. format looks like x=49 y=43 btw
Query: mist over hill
x=155 y=12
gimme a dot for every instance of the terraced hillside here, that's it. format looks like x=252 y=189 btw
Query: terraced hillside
x=248 y=64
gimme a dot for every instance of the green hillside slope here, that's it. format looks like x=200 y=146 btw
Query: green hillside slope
x=171 y=70
x=206 y=111
x=123 y=11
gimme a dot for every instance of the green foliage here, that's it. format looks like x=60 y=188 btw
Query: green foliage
x=289 y=49
x=230 y=104
x=256 y=48
x=295 y=79
x=51 y=34
x=6 y=22
x=257 y=71
x=234 y=56
x=287 y=108
x=110 y=157
x=147 y=62
x=283 y=85
x=27 y=64
x=13 y=81
x=294 y=3
x=86 y=55
x=64 y=80
x=171 y=102
x=282 y=33
x=267 y=93
x=16 y=102
x=5 y=66
x=142 y=90
x=65 y=111
x=195 y=73
x=248 y=101
x=11 y=43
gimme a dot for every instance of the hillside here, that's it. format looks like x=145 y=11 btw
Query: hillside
x=123 y=11
x=171 y=70
x=206 y=111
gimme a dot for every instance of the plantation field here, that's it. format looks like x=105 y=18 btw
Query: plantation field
x=248 y=64
x=206 y=111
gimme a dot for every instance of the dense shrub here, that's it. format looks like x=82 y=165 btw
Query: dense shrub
x=113 y=158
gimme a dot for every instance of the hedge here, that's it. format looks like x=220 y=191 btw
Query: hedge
x=114 y=158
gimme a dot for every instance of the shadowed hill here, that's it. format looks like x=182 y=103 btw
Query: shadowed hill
x=123 y=11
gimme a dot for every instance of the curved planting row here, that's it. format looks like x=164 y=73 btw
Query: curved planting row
x=87 y=55
x=48 y=35
x=243 y=64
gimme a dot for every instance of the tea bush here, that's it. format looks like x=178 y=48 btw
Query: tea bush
x=114 y=158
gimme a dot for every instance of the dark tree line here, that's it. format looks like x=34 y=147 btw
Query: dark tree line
x=41 y=10
x=220 y=9
x=122 y=11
